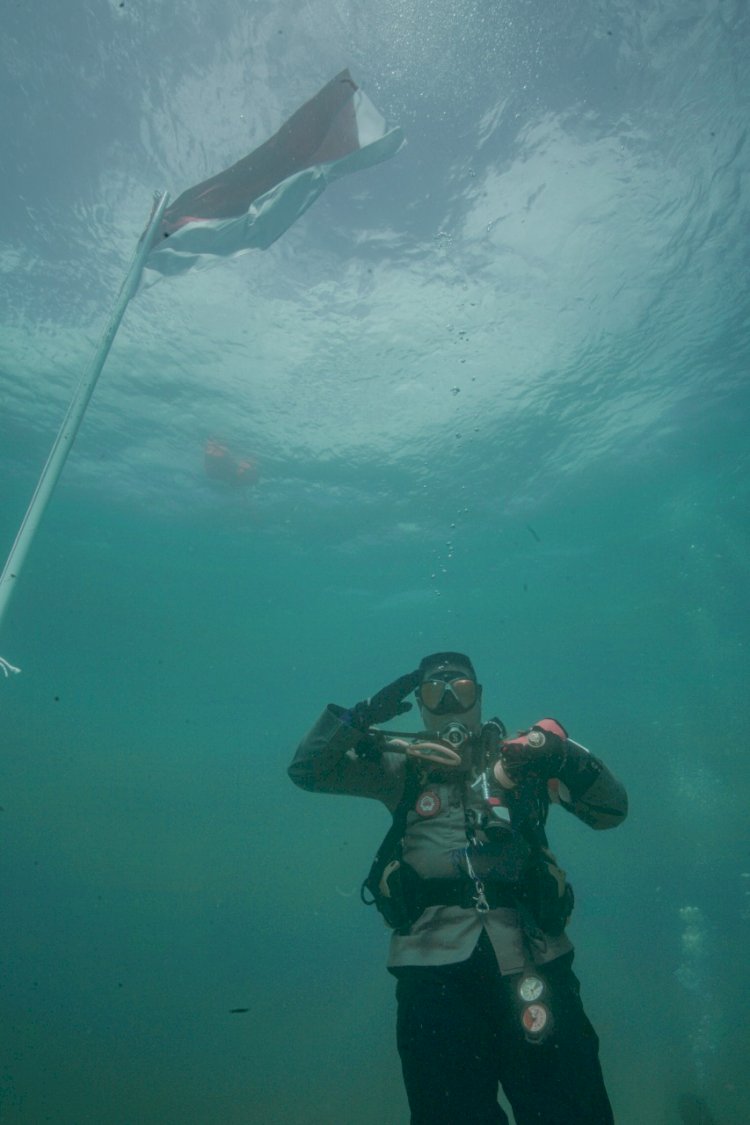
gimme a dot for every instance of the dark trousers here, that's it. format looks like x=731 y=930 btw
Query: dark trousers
x=460 y=1035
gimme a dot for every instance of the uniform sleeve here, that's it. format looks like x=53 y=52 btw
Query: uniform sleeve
x=589 y=790
x=325 y=762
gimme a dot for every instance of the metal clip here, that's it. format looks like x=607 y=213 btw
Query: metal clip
x=480 y=899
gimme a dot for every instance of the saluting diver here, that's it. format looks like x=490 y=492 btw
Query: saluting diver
x=478 y=905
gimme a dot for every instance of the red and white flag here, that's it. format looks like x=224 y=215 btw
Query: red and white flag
x=249 y=205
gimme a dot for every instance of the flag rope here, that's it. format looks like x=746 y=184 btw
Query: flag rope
x=74 y=416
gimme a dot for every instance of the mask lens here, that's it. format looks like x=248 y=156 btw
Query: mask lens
x=465 y=692
x=431 y=692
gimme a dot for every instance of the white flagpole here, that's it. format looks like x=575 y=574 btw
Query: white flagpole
x=72 y=421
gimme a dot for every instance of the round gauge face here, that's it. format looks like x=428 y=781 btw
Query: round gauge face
x=530 y=988
x=535 y=1018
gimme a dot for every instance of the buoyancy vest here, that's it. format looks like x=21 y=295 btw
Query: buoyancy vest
x=506 y=858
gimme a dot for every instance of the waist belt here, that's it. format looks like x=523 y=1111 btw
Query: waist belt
x=459 y=892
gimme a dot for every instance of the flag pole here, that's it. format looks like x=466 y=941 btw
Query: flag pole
x=71 y=423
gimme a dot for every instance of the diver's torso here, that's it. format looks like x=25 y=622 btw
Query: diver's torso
x=449 y=817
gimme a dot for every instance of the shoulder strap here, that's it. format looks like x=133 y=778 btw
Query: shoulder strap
x=387 y=849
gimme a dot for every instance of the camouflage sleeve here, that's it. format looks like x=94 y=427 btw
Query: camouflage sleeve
x=326 y=762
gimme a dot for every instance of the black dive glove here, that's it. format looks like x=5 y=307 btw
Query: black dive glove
x=384 y=705
x=544 y=752
x=539 y=753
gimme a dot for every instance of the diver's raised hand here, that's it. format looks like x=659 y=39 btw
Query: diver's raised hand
x=384 y=704
x=539 y=753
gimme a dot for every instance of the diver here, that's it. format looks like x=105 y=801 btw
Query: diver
x=465 y=878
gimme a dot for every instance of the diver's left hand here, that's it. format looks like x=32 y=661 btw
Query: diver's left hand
x=539 y=753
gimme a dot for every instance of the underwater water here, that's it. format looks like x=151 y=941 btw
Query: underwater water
x=496 y=390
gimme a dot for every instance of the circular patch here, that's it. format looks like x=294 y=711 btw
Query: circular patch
x=428 y=804
x=535 y=1018
x=531 y=988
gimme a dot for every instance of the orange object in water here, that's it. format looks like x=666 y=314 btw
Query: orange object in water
x=220 y=464
x=247 y=471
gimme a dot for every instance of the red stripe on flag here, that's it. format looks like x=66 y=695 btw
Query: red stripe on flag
x=322 y=130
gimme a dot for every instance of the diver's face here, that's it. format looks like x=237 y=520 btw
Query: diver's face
x=449 y=693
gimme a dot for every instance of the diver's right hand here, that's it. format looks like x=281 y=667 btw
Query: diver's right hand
x=384 y=704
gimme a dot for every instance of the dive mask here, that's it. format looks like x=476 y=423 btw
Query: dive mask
x=451 y=696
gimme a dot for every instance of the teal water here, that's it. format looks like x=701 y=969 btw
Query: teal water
x=497 y=394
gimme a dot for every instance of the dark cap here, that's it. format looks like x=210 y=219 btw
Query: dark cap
x=440 y=660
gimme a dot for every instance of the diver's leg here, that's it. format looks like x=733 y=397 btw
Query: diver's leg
x=558 y=1081
x=446 y=1045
